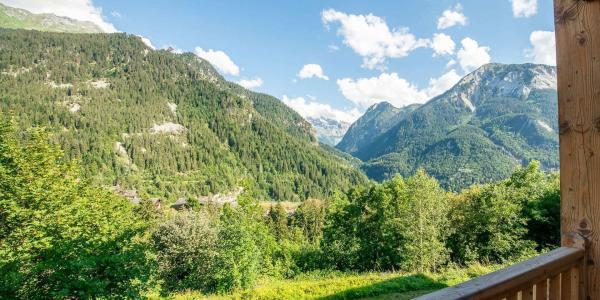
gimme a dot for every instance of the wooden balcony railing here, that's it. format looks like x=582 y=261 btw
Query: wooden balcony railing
x=558 y=274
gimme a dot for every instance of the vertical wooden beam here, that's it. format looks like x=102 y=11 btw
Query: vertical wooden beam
x=577 y=25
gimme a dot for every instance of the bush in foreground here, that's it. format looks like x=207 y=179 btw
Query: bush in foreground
x=59 y=237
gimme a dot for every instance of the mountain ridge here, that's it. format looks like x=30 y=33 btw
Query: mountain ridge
x=377 y=119
x=495 y=118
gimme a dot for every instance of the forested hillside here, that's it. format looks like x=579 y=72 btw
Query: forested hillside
x=494 y=119
x=165 y=124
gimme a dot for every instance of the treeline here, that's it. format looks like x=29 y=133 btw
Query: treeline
x=101 y=95
x=60 y=237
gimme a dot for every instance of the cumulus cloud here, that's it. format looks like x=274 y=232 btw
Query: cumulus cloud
x=147 y=41
x=438 y=86
x=370 y=37
x=442 y=44
x=219 y=59
x=451 y=63
x=390 y=87
x=251 y=83
x=312 y=70
x=365 y=92
x=472 y=56
x=452 y=17
x=314 y=109
x=524 y=8
x=83 y=10
x=544 y=47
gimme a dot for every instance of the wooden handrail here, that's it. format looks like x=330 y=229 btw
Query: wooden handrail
x=555 y=273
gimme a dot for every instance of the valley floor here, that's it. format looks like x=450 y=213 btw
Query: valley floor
x=336 y=285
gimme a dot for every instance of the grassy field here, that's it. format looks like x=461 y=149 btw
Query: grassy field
x=335 y=285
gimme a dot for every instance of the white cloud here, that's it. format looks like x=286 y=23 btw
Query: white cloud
x=544 y=47
x=472 y=56
x=147 y=41
x=524 y=8
x=333 y=48
x=442 y=44
x=452 y=17
x=83 y=10
x=251 y=83
x=314 y=109
x=437 y=86
x=370 y=37
x=450 y=63
x=365 y=92
x=116 y=14
x=312 y=70
x=220 y=60
x=389 y=87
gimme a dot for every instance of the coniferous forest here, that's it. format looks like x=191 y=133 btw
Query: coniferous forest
x=178 y=129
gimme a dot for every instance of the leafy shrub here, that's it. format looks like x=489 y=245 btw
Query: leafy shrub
x=187 y=248
x=59 y=237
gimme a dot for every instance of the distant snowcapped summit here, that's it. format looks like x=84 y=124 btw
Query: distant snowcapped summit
x=329 y=131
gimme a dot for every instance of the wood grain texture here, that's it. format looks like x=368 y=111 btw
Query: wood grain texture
x=577 y=25
x=541 y=290
x=554 y=288
x=527 y=293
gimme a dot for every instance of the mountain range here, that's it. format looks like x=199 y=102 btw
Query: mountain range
x=494 y=119
x=169 y=125
x=17 y=18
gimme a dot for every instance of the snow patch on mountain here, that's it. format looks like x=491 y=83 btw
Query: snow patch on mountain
x=329 y=131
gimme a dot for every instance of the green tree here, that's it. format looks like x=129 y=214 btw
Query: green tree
x=59 y=237
x=277 y=219
x=506 y=220
x=239 y=258
x=424 y=223
x=186 y=245
x=400 y=224
x=310 y=218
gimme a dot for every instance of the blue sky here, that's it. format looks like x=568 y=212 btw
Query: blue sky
x=354 y=53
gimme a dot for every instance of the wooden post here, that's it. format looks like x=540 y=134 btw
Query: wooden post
x=578 y=60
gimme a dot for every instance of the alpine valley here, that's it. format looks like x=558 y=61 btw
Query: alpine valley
x=131 y=172
x=168 y=125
